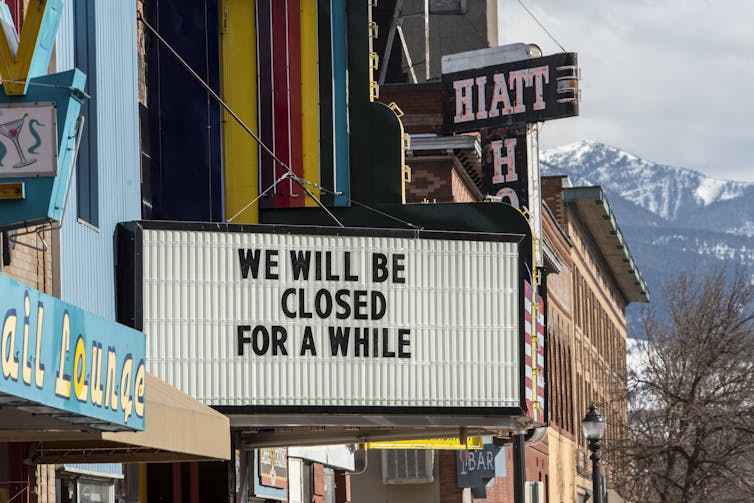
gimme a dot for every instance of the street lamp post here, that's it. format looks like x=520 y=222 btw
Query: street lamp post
x=594 y=428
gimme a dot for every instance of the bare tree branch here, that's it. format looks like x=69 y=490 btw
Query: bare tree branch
x=690 y=431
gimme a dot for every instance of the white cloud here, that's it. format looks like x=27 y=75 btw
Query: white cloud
x=669 y=80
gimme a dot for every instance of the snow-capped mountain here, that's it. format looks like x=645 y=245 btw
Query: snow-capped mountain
x=680 y=196
x=674 y=219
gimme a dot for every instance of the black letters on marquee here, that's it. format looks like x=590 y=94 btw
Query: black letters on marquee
x=366 y=306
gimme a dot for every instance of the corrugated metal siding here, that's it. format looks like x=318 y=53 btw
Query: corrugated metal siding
x=87 y=257
x=460 y=301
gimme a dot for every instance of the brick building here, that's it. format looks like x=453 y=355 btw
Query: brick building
x=591 y=278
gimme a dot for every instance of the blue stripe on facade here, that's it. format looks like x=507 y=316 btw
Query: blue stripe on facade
x=340 y=103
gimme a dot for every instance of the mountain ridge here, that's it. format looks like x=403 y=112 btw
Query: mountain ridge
x=678 y=195
x=674 y=219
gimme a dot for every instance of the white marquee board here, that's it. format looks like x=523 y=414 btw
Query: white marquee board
x=431 y=322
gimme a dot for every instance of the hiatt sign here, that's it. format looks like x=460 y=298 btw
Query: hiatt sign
x=527 y=91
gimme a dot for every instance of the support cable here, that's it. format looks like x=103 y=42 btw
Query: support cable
x=211 y=91
x=285 y=175
x=541 y=25
x=362 y=205
x=288 y=172
x=74 y=90
x=300 y=183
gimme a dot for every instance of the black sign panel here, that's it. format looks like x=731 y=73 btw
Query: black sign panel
x=505 y=165
x=531 y=90
x=476 y=467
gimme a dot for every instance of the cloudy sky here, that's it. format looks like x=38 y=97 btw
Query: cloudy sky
x=671 y=81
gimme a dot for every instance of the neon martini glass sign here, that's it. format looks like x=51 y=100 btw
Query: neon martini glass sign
x=12 y=130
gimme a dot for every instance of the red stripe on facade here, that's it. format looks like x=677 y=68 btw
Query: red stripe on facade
x=194 y=482
x=280 y=97
x=177 y=497
x=298 y=197
x=15 y=12
x=266 y=119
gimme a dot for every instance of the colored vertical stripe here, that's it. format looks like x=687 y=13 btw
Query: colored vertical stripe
x=340 y=98
x=535 y=389
x=241 y=152
x=194 y=482
x=297 y=195
x=280 y=96
x=309 y=95
x=326 y=130
x=143 y=483
x=359 y=106
x=266 y=120
x=177 y=483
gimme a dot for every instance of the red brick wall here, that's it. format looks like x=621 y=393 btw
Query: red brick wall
x=461 y=192
x=319 y=483
x=449 y=491
x=552 y=194
x=421 y=105
x=342 y=487
x=431 y=181
x=30 y=266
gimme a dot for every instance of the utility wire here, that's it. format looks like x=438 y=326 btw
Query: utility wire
x=76 y=91
x=285 y=175
x=541 y=25
x=288 y=173
x=362 y=205
x=301 y=182
x=211 y=91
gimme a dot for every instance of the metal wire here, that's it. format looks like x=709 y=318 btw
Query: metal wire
x=211 y=91
x=285 y=175
x=541 y=25
x=75 y=90
x=289 y=173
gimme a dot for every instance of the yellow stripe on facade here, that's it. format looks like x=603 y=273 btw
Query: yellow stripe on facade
x=241 y=152
x=143 y=482
x=309 y=95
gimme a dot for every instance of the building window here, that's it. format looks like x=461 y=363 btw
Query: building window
x=85 y=59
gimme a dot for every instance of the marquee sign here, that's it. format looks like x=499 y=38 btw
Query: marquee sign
x=59 y=359
x=526 y=91
x=337 y=319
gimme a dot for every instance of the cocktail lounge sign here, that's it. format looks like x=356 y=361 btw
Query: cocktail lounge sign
x=56 y=357
x=39 y=119
x=28 y=140
x=519 y=92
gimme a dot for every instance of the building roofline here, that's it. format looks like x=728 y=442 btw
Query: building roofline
x=595 y=212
